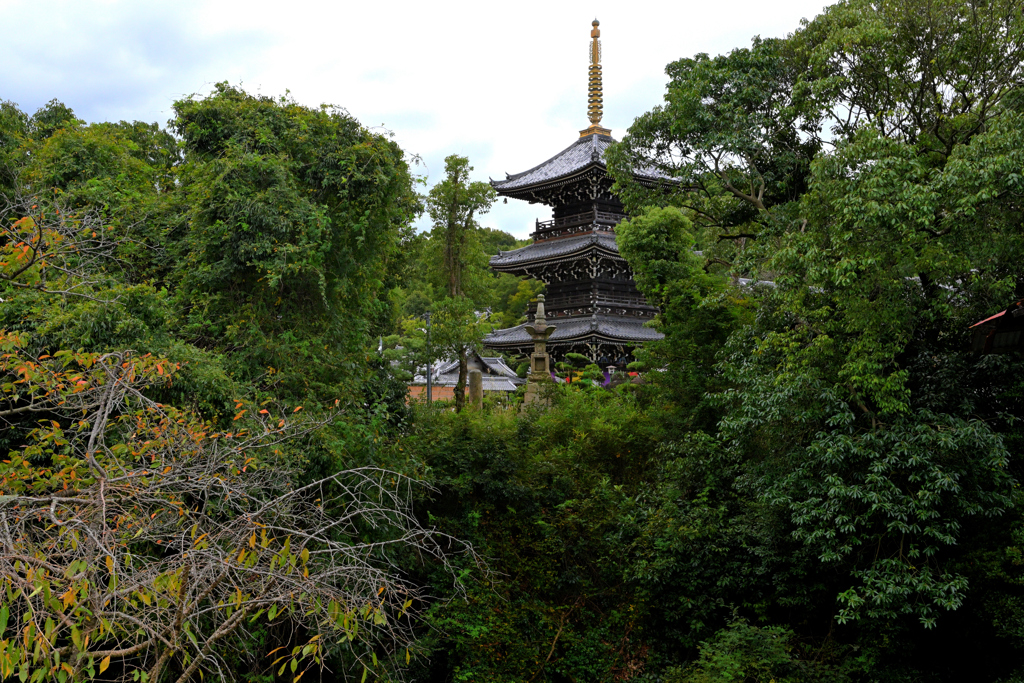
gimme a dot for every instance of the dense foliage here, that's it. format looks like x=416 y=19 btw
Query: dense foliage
x=815 y=480
x=449 y=286
x=187 y=405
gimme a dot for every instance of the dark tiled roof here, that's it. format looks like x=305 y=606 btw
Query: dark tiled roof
x=499 y=367
x=610 y=328
x=561 y=248
x=585 y=152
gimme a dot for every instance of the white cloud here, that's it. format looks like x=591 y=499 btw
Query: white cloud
x=504 y=83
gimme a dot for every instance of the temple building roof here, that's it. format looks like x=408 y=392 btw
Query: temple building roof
x=580 y=328
x=573 y=162
x=497 y=375
x=580 y=155
x=555 y=250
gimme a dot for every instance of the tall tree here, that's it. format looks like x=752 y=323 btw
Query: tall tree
x=453 y=204
x=13 y=128
x=296 y=219
x=736 y=135
x=852 y=397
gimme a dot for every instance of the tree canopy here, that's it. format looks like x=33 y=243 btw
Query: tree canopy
x=867 y=166
x=815 y=476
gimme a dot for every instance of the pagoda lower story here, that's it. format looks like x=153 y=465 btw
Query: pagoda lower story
x=604 y=341
x=591 y=299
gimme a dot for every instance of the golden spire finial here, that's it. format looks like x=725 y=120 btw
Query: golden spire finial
x=594 y=98
x=594 y=90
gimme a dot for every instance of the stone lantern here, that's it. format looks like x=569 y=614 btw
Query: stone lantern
x=540 y=361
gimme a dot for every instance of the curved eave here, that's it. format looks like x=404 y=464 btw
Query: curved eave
x=585 y=152
x=582 y=158
x=548 y=183
x=529 y=192
x=556 y=251
x=574 y=331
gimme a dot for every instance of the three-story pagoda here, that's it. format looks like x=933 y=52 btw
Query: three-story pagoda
x=591 y=298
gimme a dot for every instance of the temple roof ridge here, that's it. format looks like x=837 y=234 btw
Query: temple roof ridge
x=539 y=251
x=583 y=154
x=608 y=327
x=571 y=160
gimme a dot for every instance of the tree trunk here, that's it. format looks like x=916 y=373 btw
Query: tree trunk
x=460 y=385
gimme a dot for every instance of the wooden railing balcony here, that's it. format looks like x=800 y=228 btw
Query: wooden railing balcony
x=556 y=303
x=576 y=223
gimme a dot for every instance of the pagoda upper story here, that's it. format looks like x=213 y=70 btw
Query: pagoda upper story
x=574 y=253
x=591 y=297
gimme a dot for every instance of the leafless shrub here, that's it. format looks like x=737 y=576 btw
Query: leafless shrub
x=134 y=535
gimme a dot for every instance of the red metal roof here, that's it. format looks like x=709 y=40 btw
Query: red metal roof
x=1015 y=304
x=997 y=315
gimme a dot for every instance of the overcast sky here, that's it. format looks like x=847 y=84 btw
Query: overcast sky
x=503 y=83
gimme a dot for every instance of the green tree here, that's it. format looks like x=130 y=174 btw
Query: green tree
x=13 y=129
x=50 y=118
x=296 y=216
x=453 y=205
x=738 y=138
x=111 y=190
x=698 y=311
x=547 y=499
x=456 y=331
x=743 y=652
x=868 y=165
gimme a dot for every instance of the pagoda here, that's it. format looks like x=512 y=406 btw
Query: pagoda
x=592 y=301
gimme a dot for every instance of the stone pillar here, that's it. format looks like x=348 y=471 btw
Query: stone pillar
x=476 y=389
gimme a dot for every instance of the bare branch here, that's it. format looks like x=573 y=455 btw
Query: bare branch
x=170 y=539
